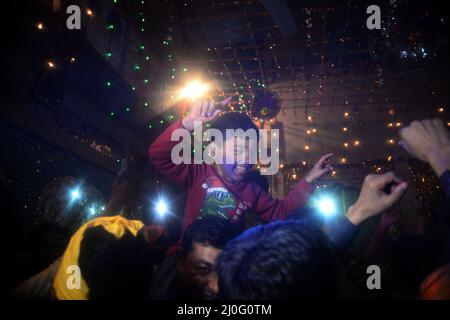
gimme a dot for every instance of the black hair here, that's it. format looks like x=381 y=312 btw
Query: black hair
x=281 y=260
x=211 y=231
x=234 y=121
x=115 y=268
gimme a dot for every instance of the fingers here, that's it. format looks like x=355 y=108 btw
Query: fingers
x=210 y=109
x=323 y=159
x=224 y=102
x=381 y=180
x=441 y=130
x=205 y=107
x=215 y=114
x=396 y=193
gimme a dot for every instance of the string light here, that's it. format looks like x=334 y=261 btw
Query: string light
x=50 y=64
x=391 y=141
x=72 y=59
x=345 y=129
x=346 y=114
x=40 y=26
x=306 y=147
x=356 y=143
x=346 y=144
x=440 y=110
x=343 y=160
x=89 y=12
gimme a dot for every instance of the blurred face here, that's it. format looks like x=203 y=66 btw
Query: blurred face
x=196 y=276
x=236 y=171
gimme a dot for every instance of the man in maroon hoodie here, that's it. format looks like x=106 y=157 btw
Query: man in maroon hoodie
x=225 y=189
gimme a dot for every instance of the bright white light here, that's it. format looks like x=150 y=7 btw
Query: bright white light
x=194 y=89
x=75 y=194
x=327 y=207
x=92 y=210
x=161 y=208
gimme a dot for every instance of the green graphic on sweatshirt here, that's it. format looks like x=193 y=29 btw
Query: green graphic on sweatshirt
x=219 y=201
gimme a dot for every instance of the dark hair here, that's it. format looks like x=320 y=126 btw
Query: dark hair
x=115 y=268
x=281 y=260
x=211 y=230
x=234 y=121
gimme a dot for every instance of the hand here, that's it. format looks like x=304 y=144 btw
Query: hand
x=322 y=167
x=203 y=111
x=428 y=140
x=373 y=200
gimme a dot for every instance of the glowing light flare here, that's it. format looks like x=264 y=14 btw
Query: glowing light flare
x=161 y=207
x=194 y=89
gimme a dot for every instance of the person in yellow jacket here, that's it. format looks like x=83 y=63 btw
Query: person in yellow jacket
x=107 y=258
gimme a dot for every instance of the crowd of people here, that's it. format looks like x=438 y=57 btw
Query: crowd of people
x=290 y=256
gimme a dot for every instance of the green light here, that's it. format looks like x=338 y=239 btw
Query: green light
x=110 y=27
x=142 y=29
x=149 y=126
x=108 y=83
x=127 y=109
x=162 y=121
x=173 y=70
x=141 y=47
x=171 y=117
x=146 y=104
x=185 y=69
x=108 y=54
x=145 y=81
x=147 y=58
x=170 y=56
x=112 y=113
x=137 y=67
x=143 y=19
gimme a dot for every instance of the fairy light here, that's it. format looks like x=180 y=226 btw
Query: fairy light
x=346 y=144
x=40 y=26
x=50 y=64
x=343 y=160
x=440 y=109
x=356 y=143
x=391 y=141
x=306 y=147
x=346 y=114
x=89 y=12
x=345 y=129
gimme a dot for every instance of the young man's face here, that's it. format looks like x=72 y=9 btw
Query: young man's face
x=240 y=148
x=196 y=276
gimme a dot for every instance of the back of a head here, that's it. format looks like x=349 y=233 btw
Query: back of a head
x=211 y=231
x=115 y=268
x=233 y=121
x=281 y=260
